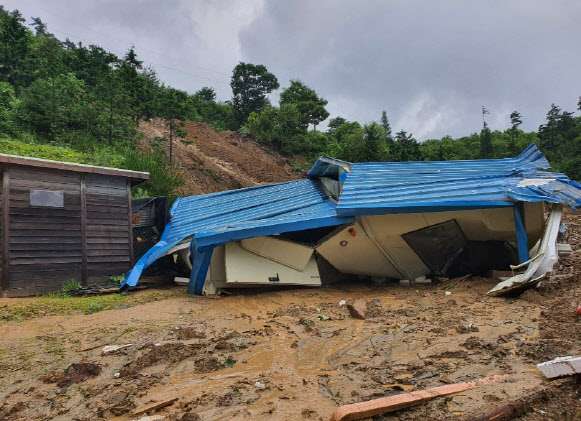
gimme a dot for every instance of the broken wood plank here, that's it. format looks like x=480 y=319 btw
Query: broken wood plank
x=503 y=412
x=152 y=406
x=380 y=406
x=561 y=366
x=456 y=281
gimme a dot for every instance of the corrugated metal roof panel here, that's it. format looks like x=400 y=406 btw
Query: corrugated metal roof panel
x=244 y=213
x=397 y=187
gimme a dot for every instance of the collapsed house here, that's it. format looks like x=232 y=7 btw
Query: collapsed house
x=396 y=220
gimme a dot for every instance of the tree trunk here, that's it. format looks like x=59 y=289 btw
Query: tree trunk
x=53 y=113
x=170 y=140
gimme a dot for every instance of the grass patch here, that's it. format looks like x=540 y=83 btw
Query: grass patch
x=44 y=151
x=61 y=304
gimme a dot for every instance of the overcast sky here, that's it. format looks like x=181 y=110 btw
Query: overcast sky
x=430 y=64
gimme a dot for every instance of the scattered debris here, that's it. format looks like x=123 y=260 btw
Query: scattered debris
x=544 y=254
x=152 y=418
x=448 y=293
x=380 y=406
x=74 y=373
x=358 y=309
x=260 y=385
x=181 y=281
x=456 y=281
x=564 y=249
x=422 y=280
x=561 y=366
x=152 y=406
x=111 y=349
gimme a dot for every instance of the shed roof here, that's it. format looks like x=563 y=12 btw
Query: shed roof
x=427 y=186
x=9 y=160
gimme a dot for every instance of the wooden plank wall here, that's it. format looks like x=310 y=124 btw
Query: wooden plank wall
x=3 y=282
x=108 y=243
x=88 y=239
x=44 y=243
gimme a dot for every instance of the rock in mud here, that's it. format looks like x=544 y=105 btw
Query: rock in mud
x=75 y=373
x=358 y=309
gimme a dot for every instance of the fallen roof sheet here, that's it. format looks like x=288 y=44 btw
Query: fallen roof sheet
x=237 y=214
x=406 y=187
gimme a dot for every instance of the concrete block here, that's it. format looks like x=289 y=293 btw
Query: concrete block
x=561 y=366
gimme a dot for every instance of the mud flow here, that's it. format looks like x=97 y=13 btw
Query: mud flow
x=297 y=353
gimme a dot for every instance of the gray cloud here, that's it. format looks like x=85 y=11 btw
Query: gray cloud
x=430 y=64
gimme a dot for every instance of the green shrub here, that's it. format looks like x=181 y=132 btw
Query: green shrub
x=163 y=180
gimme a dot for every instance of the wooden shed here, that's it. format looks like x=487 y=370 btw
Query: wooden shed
x=61 y=221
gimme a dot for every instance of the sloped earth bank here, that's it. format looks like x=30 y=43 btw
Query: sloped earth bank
x=273 y=355
x=215 y=161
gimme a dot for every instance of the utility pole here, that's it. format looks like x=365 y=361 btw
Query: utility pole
x=484 y=112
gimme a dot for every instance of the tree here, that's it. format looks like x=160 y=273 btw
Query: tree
x=173 y=109
x=334 y=124
x=16 y=62
x=206 y=94
x=39 y=26
x=7 y=105
x=373 y=145
x=579 y=104
x=250 y=84
x=281 y=128
x=515 y=121
x=385 y=123
x=549 y=132
x=51 y=107
x=406 y=148
x=486 y=149
x=114 y=100
x=308 y=103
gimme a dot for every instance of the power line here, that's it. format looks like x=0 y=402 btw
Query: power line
x=141 y=47
x=147 y=61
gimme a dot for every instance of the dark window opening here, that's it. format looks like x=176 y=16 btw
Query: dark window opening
x=309 y=237
x=446 y=251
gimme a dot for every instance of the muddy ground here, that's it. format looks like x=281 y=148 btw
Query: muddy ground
x=296 y=353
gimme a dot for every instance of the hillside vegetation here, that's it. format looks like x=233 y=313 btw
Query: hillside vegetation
x=71 y=102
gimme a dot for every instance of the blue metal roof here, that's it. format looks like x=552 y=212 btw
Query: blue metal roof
x=368 y=188
x=405 y=187
x=237 y=214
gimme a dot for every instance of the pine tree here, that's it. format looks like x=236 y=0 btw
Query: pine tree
x=486 y=149
x=385 y=123
x=515 y=121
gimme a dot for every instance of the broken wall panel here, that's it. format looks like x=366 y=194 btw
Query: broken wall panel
x=351 y=251
x=235 y=267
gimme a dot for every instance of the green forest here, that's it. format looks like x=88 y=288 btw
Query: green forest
x=67 y=101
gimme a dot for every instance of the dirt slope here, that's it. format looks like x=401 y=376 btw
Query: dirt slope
x=213 y=161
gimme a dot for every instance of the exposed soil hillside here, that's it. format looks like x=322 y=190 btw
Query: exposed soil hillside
x=216 y=161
